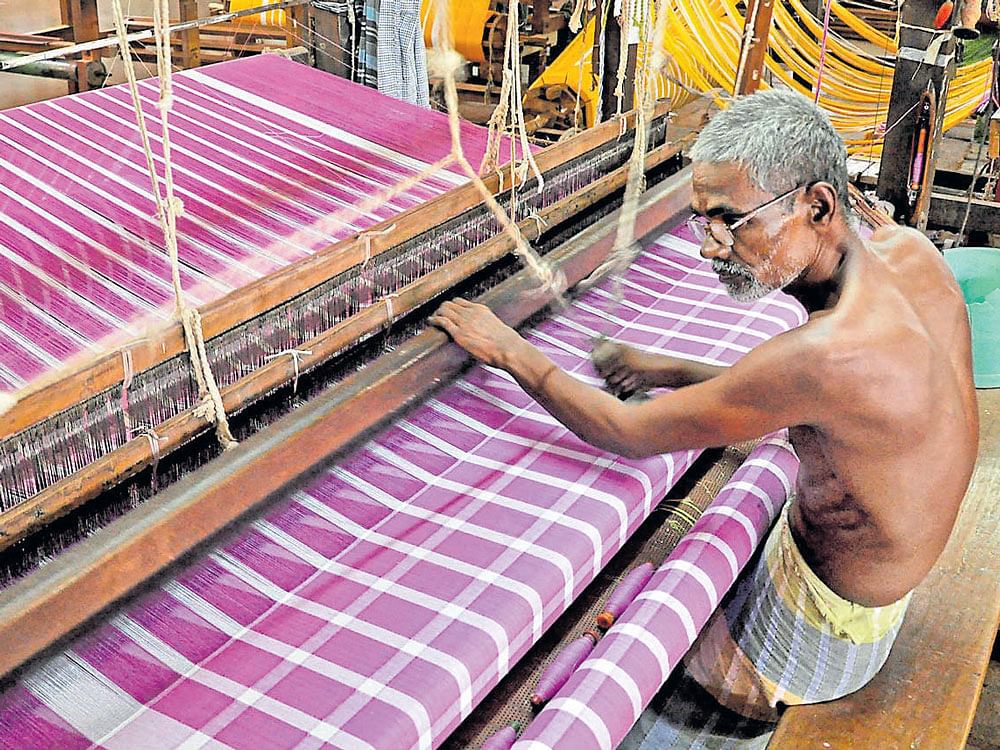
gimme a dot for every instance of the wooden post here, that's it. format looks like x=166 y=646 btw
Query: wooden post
x=912 y=76
x=81 y=15
x=300 y=28
x=190 y=40
x=753 y=49
x=613 y=35
x=539 y=16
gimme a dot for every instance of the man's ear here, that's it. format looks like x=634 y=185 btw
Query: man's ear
x=822 y=197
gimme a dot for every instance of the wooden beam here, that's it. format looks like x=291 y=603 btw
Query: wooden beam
x=82 y=16
x=190 y=38
x=52 y=602
x=753 y=48
x=948 y=211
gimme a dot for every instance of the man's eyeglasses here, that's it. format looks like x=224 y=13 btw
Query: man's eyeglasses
x=724 y=232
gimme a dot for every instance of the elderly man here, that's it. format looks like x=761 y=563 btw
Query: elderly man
x=876 y=390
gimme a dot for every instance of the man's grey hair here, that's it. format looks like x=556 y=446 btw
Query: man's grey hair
x=782 y=140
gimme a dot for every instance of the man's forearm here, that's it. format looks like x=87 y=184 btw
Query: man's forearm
x=591 y=414
x=677 y=373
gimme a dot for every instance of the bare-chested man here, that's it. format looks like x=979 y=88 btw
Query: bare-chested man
x=876 y=389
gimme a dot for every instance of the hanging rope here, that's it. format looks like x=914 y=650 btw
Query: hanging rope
x=169 y=207
x=450 y=63
x=822 y=50
x=651 y=58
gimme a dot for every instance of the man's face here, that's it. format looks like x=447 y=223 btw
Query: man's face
x=761 y=256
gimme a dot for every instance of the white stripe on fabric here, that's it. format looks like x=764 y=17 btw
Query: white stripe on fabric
x=655 y=645
x=411 y=646
x=429 y=602
x=300 y=118
x=561 y=562
x=719 y=544
x=620 y=677
x=572 y=489
x=587 y=716
x=191 y=199
x=244 y=695
x=484 y=575
x=697 y=574
x=675 y=605
x=80 y=695
x=740 y=517
x=604 y=460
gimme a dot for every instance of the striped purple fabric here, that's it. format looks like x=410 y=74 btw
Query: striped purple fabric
x=377 y=606
x=270 y=158
x=605 y=696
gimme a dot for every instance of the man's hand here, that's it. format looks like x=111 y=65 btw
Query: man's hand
x=476 y=329
x=627 y=370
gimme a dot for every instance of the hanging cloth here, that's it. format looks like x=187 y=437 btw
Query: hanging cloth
x=402 y=62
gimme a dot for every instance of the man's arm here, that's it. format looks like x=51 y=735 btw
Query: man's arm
x=770 y=388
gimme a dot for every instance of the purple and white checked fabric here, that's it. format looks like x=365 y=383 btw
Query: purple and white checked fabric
x=377 y=606
x=270 y=160
x=604 y=697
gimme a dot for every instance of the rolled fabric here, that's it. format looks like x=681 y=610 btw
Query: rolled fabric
x=503 y=739
x=624 y=593
x=555 y=675
x=604 y=696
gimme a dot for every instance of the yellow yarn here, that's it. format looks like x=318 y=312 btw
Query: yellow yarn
x=702 y=46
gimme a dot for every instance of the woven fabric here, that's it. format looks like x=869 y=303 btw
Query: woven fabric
x=777 y=640
x=377 y=606
x=601 y=701
x=265 y=152
x=774 y=641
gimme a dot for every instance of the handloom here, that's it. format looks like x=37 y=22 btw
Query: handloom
x=382 y=599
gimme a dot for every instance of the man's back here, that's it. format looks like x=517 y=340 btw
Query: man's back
x=884 y=474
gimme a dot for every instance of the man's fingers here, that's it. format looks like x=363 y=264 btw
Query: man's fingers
x=442 y=322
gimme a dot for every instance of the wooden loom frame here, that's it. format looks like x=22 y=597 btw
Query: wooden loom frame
x=248 y=302
x=52 y=601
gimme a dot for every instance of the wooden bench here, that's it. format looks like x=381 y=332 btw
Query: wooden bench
x=927 y=692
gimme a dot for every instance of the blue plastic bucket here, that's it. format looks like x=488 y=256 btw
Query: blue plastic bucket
x=977 y=270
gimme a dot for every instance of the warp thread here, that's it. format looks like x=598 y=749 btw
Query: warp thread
x=127 y=376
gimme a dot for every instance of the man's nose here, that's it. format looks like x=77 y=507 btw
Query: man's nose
x=711 y=248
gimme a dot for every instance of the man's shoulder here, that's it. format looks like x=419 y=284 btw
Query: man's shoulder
x=896 y=243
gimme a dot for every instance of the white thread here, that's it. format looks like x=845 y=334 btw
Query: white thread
x=450 y=62
x=367 y=237
x=294 y=354
x=389 y=311
x=539 y=223
x=127 y=375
